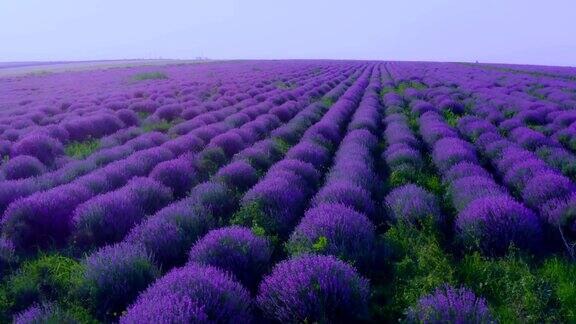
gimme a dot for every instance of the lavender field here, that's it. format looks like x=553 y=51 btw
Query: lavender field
x=295 y=191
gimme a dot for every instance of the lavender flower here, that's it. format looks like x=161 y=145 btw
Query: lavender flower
x=236 y=250
x=334 y=229
x=450 y=305
x=493 y=223
x=192 y=294
x=334 y=292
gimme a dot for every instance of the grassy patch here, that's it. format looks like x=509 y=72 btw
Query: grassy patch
x=328 y=102
x=515 y=293
x=80 y=150
x=149 y=76
x=48 y=278
x=419 y=266
x=561 y=276
x=162 y=126
x=450 y=117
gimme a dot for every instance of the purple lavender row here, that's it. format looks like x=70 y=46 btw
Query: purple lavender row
x=334 y=228
x=178 y=175
x=167 y=235
x=16 y=189
x=409 y=202
x=340 y=213
x=413 y=204
x=535 y=178
x=542 y=187
x=21 y=219
x=56 y=108
x=317 y=265
x=488 y=217
x=36 y=143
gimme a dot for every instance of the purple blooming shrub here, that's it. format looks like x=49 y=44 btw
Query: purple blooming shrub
x=398 y=154
x=44 y=148
x=43 y=218
x=239 y=176
x=419 y=107
x=192 y=294
x=348 y=194
x=451 y=151
x=184 y=144
x=544 y=186
x=310 y=152
x=334 y=291
x=23 y=166
x=109 y=217
x=413 y=204
x=520 y=173
x=230 y=142
x=279 y=203
x=236 y=250
x=493 y=223
x=304 y=170
x=528 y=138
x=511 y=156
x=169 y=234
x=169 y=112
x=115 y=274
x=128 y=117
x=450 y=305
x=463 y=170
x=45 y=313
x=465 y=190
x=334 y=229
x=179 y=175
x=433 y=128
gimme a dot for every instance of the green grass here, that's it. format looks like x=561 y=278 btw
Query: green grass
x=328 y=102
x=419 y=266
x=149 y=76
x=451 y=118
x=161 y=126
x=48 y=278
x=514 y=291
x=80 y=150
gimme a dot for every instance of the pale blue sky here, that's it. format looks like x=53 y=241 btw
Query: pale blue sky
x=513 y=31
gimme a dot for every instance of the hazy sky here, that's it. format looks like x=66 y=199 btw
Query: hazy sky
x=509 y=31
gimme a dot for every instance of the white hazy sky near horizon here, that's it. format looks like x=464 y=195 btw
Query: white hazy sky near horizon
x=507 y=31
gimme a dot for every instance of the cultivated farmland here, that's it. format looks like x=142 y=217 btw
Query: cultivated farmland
x=289 y=191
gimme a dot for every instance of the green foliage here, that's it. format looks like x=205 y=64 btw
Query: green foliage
x=320 y=244
x=149 y=76
x=409 y=84
x=6 y=304
x=210 y=160
x=143 y=114
x=419 y=266
x=515 y=293
x=561 y=275
x=281 y=145
x=251 y=215
x=81 y=150
x=161 y=126
x=327 y=101
x=386 y=90
x=510 y=113
x=450 y=117
x=48 y=278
